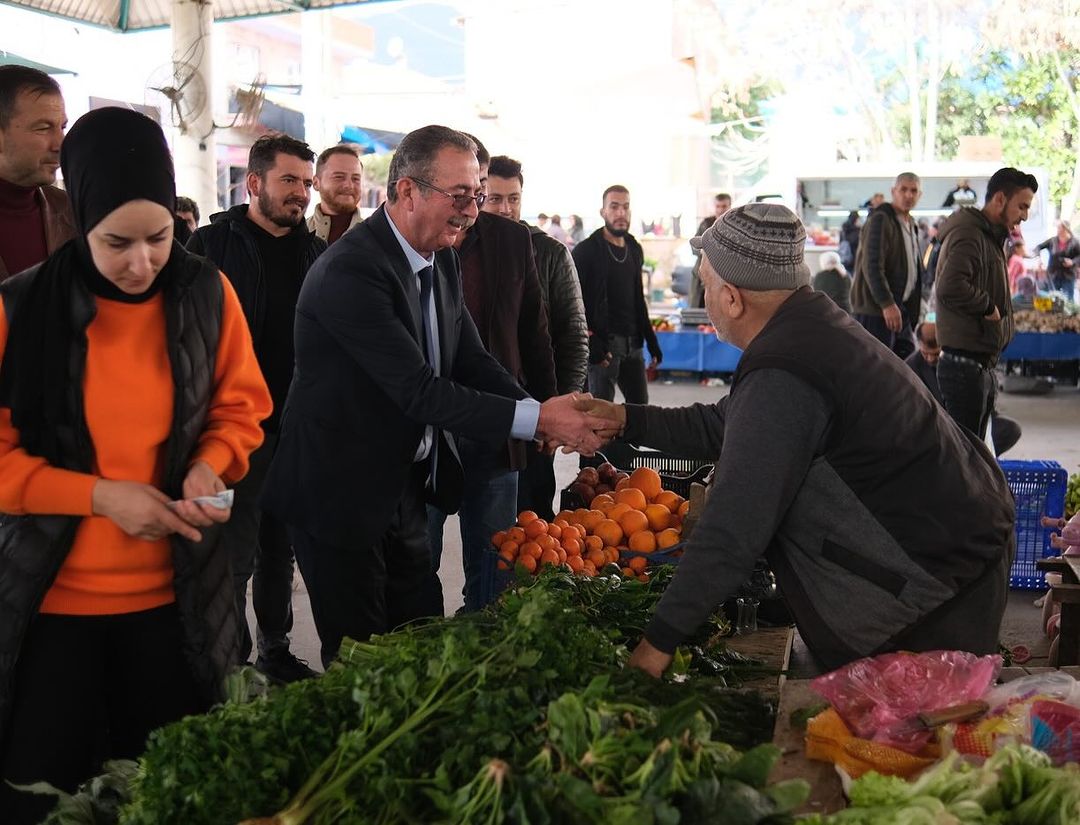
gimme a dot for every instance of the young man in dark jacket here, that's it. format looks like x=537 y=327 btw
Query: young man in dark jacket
x=265 y=249
x=974 y=307
x=561 y=292
x=886 y=291
x=609 y=264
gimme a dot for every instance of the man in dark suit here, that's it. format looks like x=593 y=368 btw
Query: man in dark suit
x=388 y=366
x=501 y=290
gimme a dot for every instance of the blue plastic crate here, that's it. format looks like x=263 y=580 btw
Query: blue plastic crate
x=1039 y=490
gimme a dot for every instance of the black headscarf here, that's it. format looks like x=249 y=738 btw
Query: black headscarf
x=109 y=157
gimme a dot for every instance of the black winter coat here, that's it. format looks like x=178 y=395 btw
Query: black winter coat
x=34 y=547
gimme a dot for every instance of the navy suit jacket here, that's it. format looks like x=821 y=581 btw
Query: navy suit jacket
x=362 y=391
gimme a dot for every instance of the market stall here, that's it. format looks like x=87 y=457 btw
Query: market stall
x=691 y=350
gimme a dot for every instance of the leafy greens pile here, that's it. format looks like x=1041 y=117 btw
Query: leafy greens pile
x=520 y=714
x=1015 y=786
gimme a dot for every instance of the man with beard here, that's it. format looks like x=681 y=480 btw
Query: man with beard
x=609 y=264
x=721 y=204
x=338 y=178
x=265 y=249
x=860 y=530
x=35 y=216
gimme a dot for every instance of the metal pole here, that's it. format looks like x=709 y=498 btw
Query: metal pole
x=195 y=149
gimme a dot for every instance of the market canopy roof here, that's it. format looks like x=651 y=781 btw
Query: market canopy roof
x=136 y=15
x=12 y=59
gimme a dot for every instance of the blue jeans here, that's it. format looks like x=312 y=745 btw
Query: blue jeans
x=488 y=504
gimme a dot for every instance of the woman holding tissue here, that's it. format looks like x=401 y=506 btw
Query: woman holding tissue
x=128 y=388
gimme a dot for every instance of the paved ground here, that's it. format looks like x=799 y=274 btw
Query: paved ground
x=1051 y=425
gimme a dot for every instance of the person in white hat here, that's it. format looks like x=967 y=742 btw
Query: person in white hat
x=834 y=462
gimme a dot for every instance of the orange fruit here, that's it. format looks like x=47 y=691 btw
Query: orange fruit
x=634 y=521
x=591 y=519
x=647 y=480
x=529 y=563
x=563 y=517
x=526 y=516
x=600 y=500
x=588 y=569
x=595 y=542
x=643 y=578
x=632 y=496
x=530 y=548
x=508 y=548
x=516 y=534
x=555 y=531
x=609 y=532
x=503 y=564
x=581 y=531
x=614 y=513
x=576 y=564
x=643 y=541
x=562 y=554
x=572 y=545
x=611 y=555
x=637 y=563
x=628 y=573
x=596 y=558
x=659 y=517
x=549 y=558
x=667 y=538
x=669 y=499
x=579 y=515
x=498 y=539
x=546 y=542
x=622 y=484
x=684 y=508
x=536 y=527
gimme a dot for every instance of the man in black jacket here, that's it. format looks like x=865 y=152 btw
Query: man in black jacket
x=561 y=292
x=502 y=293
x=265 y=249
x=886 y=291
x=389 y=367
x=974 y=307
x=609 y=264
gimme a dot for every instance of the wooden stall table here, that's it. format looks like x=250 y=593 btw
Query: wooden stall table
x=772 y=645
x=826 y=793
x=1067 y=594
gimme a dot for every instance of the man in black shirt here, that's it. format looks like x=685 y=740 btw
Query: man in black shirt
x=265 y=249
x=609 y=265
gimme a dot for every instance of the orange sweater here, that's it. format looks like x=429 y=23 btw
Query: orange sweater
x=128 y=397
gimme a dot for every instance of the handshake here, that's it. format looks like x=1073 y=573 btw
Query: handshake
x=577 y=422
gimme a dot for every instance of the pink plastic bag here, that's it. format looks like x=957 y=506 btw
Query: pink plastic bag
x=879 y=698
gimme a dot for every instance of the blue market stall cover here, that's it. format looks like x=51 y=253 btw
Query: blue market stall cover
x=372 y=141
x=12 y=59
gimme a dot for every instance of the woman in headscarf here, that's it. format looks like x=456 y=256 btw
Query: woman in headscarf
x=128 y=388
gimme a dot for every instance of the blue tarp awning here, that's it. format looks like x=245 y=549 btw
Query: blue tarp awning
x=372 y=141
x=11 y=59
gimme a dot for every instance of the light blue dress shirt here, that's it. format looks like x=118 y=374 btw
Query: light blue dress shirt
x=526 y=411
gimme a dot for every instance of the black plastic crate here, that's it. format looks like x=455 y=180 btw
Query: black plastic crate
x=676 y=473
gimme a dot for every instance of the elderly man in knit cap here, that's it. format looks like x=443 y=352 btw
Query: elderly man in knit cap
x=887 y=526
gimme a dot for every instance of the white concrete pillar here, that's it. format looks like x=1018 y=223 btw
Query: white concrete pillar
x=194 y=151
x=315 y=76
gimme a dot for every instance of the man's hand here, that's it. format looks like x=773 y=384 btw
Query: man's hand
x=647 y=658
x=607 y=410
x=1067 y=262
x=561 y=423
x=201 y=480
x=139 y=510
x=993 y=316
x=893 y=319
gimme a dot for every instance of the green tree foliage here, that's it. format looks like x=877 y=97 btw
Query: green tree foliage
x=1022 y=101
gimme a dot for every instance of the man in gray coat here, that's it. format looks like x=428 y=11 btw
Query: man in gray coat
x=561 y=291
x=888 y=526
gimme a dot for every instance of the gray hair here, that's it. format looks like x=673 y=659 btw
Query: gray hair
x=415 y=155
x=908 y=176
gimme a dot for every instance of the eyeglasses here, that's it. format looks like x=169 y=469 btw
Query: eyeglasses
x=461 y=202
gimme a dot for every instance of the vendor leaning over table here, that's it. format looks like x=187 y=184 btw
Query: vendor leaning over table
x=888 y=526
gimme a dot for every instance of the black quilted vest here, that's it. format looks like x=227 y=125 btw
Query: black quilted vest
x=34 y=547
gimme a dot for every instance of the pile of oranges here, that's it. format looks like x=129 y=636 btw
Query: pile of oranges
x=638 y=515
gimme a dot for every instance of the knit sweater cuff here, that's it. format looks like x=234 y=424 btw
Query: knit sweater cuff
x=222 y=460
x=663 y=636
x=635 y=423
x=60 y=492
